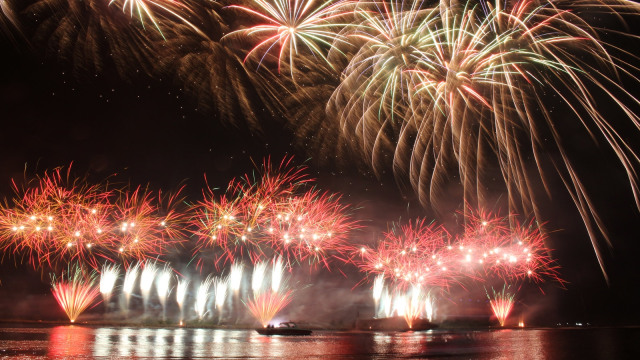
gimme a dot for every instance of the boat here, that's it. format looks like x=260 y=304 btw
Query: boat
x=285 y=328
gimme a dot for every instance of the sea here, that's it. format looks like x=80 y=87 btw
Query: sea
x=106 y=342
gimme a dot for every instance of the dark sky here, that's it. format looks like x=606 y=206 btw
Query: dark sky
x=147 y=131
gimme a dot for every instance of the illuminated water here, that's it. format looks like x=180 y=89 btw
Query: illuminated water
x=127 y=343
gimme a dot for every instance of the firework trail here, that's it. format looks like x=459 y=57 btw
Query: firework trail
x=501 y=303
x=91 y=36
x=235 y=277
x=148 y=274
x=75 y=291
x=414 y=305
x=202 y=297
x=277 y=273
x=378 y=288
x=151 y=9
x=257 y=277
x=430 y=306
x=181 y=295
x=130 y=278
x=220 y=286
x=108 y=277
x=163 y=287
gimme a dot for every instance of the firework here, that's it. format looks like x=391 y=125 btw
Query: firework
x=451 y=90
x=416 y=253
x=501 y=303
x=163 y=287
x=202 y=297
x=291 y=24
x=419 y=253
x=147 y=276
x=130 y=278
x=181 y=295
x=272 y=215
x=91 y=37
x=75 y=291
x=7 y=16
x=414 y=305
x=144 y=228
x=57 y=218
x=220 y=286
x=235 y=277
x=149 y=9
x=108 y=277
x=257 y=277
x=277 y=273
x=430 y=306
x=378 y=288
x=264 y=306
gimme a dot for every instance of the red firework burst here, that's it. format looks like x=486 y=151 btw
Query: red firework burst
x=75 y=291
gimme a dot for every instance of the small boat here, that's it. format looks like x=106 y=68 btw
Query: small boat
x=285 y=328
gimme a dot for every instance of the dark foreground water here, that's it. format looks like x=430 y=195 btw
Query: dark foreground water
x=80 y=342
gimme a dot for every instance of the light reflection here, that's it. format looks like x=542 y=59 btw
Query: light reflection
x=81 y=342
x=102 y=344
x=178 y=346
x=70 y=342
x=124 y=345
x=160 y=346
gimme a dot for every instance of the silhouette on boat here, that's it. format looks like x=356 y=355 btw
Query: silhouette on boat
x=285 y=328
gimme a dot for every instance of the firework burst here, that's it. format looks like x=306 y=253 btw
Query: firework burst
x=264 y=306
x=501 y=303
x=291 y=24
x=75 y=291
x=273 y=215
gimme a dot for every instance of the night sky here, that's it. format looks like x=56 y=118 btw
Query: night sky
x=146 y=130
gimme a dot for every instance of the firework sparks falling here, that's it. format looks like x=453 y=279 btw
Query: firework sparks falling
x=202 y=297
x=501 y=303
x=163 y=287
x=378 y=288
x=235 y=277
x=414 y=305
x=277 y=273
x=257 y=277
x=149 y=271
x=108 y=277
x=182 y=288
x=151 y=9
x=221 y=285
x=130 y=278
x=75 y=291
x=430 y=306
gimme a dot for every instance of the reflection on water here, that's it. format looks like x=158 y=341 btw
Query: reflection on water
x=70 y=341
x=127 y=343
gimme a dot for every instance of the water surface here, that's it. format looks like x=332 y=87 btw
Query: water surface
x=82 y=342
